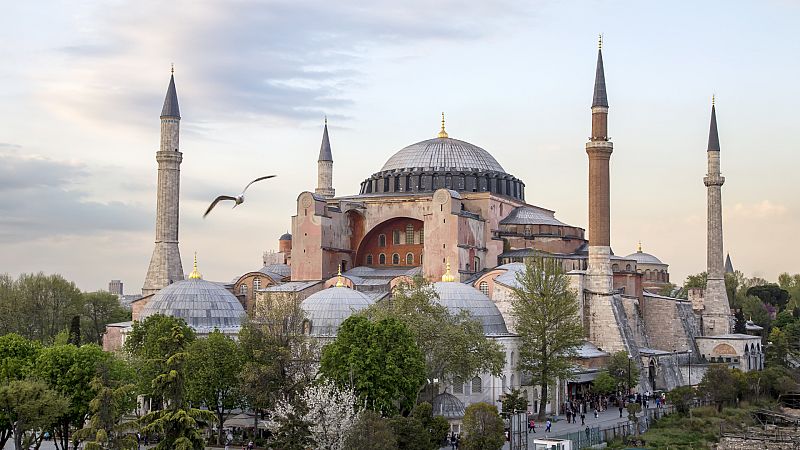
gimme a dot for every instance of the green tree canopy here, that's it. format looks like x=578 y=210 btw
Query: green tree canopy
x=29 y=406
x=720 y=385
x=213 y=365
x=605 y=383
x=454 y=345
x=100 y=309
x=547 y=322
x=380 y=360
x=115 y=397
x=370 y=432
x=436 y=427
x=771 y=294
x=17 y=357
x=618 y=367
x=483 y=429
x=514 y=401
x=38 y=306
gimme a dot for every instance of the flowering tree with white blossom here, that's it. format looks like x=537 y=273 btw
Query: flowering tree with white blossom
x=329 y=412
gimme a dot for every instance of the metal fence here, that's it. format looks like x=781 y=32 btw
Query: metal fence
x=597 y=435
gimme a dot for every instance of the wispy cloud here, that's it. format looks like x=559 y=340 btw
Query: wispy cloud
x=761 y=210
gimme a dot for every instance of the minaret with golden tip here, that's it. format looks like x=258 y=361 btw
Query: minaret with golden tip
x=325 y=166
x=599 y=149
x=165 y=264
x=716 y=310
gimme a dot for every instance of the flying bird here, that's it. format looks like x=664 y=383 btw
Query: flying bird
x=238 y=200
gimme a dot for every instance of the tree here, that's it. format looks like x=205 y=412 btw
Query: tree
x=75 y=331
x=668 y=290
x=770 y=294
x=754 y=309
x=454 y=345
x=328 y=411
x=100 y=309
x=70 y=370
x=681 y=397
x=370 y=432
x=719 y=384
x=380 y=360
x=213 y=365
x=409 y=433
x=436 y=427
x=29 y=406
x=514 y=401
x=604 y=383
x=618 y=367
x=791 y=283
x=17 y=357
x=740 y=325
x=483 y=428
x=114 y=398
x=548 y=324
x=150 y=344
x=779 y=350
x=179 y=423
x=37 y=306
x=279 y=360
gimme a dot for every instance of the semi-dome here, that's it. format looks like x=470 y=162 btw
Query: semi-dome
x=327 y=309
x=204 y=305
x=443 y=153
x=459 y=297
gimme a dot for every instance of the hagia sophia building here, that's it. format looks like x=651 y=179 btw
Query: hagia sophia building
x=448 y=210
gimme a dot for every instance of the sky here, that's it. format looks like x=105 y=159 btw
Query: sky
x=83 y=83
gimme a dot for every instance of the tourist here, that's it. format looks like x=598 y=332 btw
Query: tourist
x=583 y=419
x=620 y=409
x=547 y=424
x=596 y=413
x=531 y=425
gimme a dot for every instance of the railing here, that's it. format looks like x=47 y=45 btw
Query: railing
x=597 y=435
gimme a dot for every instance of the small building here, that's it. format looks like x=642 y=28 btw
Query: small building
x=738 y=351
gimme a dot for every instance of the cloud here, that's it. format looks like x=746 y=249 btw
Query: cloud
x=38 y=199
x=762 y=210
x=285 y=60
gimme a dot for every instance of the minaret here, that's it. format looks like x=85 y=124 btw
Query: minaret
x=165 y=264
x=599 y=275
x=325 y=166
x=716 y=313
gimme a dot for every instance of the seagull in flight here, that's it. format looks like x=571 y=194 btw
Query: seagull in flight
x=238 y=200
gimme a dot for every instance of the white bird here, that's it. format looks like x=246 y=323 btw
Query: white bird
x=238 y=200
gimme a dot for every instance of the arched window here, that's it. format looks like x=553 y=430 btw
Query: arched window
x=477 y=385
x=243 y=289
x=256 y=283
x=484 y=288
x=396 y=237
x=381 y=259
x=381 y=240
x=369 y=260
x=409 y=259
x=647 y=274
x=396 y=259
x=477 y=262
x=458 y=386
x=628 y=268
x=615 y=267
x=409 y=234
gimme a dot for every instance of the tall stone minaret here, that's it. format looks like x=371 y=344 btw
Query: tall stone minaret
x=716 y=311
x=325 y=166
x=599 y=275
x=165 y=264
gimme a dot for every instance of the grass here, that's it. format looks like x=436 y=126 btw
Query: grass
x=698 y=432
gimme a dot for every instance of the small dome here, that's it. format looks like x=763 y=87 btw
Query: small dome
x=327 y=309
x=443 y=152
x=285 y=237
x=448 y=406
x=461 y=297
x=644 y=258
x=204 y=305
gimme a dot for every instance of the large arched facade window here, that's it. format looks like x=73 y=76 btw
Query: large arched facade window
x=382 y=259
x=477 y=385
x=484 y=288
x=382 y=240
x=256 y=283
x=409 y=234
x=395 y=259
x=243 y=289
x=409 y=259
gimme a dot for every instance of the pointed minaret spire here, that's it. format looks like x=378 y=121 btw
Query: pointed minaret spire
x=600 y=98
x=170 y=108
x=325 y=166
x=713 y=135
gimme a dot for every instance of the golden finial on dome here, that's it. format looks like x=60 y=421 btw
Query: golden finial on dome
x=639 y=249
x=442 y=133
x=339 y=282
x=600 y=41
x=172 y=68
x=713 y=99
x=448 y=277
x=195 y=275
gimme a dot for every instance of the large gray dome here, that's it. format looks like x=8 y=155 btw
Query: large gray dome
x=644 y=258
x=461 y=297
x=444 y=153
x=204 y=305
x=327 y=309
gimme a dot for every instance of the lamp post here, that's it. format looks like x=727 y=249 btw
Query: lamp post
x=630 y=358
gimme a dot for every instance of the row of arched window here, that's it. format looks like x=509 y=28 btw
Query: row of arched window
x=256 y=286
x=476 y=386
x=409 y=259
x=398 y=235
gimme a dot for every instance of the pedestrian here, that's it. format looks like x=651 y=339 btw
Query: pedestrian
x=596 y=413
x=583 y=419
x=588 y=432
x=531 y=425
x=569 y=414
x=620 y=410
x=548 y=424
x=250 y=445
x=453 y=441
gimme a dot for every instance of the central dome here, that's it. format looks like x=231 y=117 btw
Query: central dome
x=443 y=153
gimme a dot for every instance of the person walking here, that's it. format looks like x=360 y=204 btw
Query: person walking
x=583 y=419
x=548 y=424
x=531 y=425
x=453 y=441
x=620 y=410
x=596 y=413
